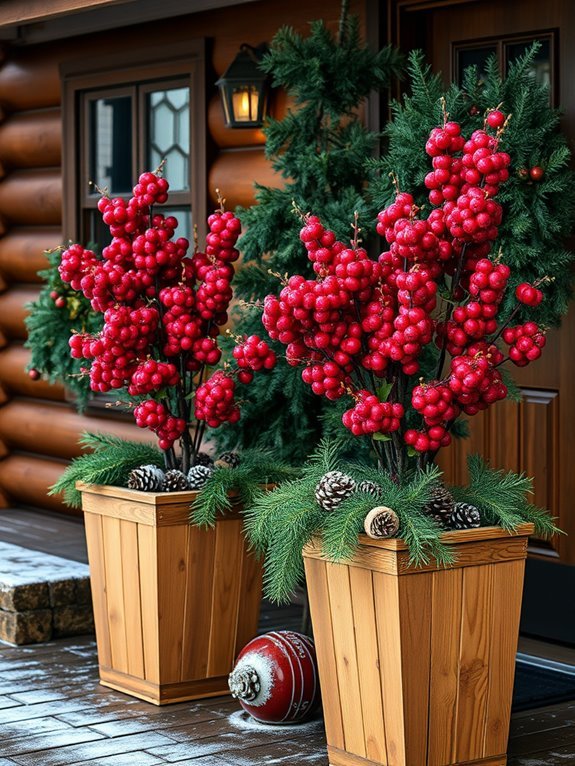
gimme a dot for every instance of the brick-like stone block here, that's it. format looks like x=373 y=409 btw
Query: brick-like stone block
x=62 y=592
x=24 y=597
x=72 y=621
x=30 y=627
x=83 y=591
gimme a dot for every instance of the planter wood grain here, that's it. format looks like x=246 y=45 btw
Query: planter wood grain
x=417 y=664
x=173 y=604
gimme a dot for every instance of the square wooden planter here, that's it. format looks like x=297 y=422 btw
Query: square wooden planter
x=173 y=604
x=417 y=664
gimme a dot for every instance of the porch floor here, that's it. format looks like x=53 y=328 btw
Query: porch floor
x=53 y=712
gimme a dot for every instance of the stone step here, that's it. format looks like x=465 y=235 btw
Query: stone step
x=42 y=596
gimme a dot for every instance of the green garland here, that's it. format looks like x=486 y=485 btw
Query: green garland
x=279 y=523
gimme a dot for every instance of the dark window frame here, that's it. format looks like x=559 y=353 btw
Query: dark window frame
x=109 y=74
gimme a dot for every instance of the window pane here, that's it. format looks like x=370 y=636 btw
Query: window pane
x=466 y=57
x=541 y=68
x=184 y=218
x=111 y=144
x=98 y=234
x=169 y=134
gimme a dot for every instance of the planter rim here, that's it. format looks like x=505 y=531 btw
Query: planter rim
x=150 y=498
x=454 y=537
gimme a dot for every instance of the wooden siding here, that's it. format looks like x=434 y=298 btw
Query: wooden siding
x=38 y=427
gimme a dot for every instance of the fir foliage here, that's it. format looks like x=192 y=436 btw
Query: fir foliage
x=49 y=327
x=502 y=498
x=279 y=523
x=538 y=215
x=110 y=462
x=319 y=148
x=242 y=484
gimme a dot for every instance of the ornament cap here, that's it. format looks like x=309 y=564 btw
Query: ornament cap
x=244 y=683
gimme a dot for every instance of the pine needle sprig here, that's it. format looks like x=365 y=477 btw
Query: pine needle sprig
x=502 y=498
x=343 y=525
x=111 y=463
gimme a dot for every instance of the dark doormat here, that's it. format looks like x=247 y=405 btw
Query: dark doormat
x=536 y=687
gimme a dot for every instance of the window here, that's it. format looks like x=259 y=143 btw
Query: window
x=507 y=49
x=120 y=120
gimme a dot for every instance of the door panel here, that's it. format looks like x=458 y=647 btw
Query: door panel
x=536 y=434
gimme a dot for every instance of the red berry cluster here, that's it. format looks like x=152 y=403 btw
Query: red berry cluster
x=155 y=416
x=252 y=355
x=370 y=416
x=525 y=343
x=361 y=320
x=215 y=401
x=162 y=311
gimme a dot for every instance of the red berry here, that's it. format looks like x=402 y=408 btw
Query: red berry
x=536 y=173
x=495 y=118
x=33 y=374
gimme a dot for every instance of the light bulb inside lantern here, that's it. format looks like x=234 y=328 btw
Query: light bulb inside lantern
x=246 y=104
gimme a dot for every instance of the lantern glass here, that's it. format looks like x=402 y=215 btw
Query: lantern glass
x=244 y=90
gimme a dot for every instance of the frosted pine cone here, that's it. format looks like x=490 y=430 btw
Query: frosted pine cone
x=228 y=460
x=198 y=476
x=146 y=478
x=440 y=506
x=333 y=488
x=175 y=481
x=202 y=458
x=465 y=516
x=370 y=487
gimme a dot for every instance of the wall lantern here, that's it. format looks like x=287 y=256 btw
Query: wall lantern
x=244 y=89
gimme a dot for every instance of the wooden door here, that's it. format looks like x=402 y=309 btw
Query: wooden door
x=535 y=435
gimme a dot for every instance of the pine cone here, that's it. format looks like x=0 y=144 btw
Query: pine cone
x=381 y=522
x=465 y=516
x=440 y=506
x=146 y=478
x=202 y=458
x=175 y=481
x=198 y=476
x=333 y=488
x=370 y=487
x=228 y=460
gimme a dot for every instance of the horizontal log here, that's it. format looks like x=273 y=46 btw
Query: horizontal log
x=15 y=380
x=22 y=252
x=229 y=138
x=54 y=429
x=13 y=311
x=32 y=197
x=234 y=173
x=25 y=480
x=30 y=81
x=32 y=140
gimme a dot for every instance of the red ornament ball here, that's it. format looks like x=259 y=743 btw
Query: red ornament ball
x=536 y=173
x=34 y=374
x=275 y=678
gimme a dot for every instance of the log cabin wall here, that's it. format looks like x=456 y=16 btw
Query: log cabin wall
x=39 y=428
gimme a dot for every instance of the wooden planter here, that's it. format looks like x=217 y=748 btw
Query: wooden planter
x=417 y=665
x=173 y=604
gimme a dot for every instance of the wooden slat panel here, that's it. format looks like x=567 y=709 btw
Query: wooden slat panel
x=346 y=657
x=367 y=652
x=172 y=580
x=132 y=597
x=318 y=594
x=94 y=541
x=225 y=597
x=14 y=378
x=200 y=554
x=447 y=589
x=386 y=593
x=22 y=252
x=134 y=511
x=467 y=555
x=115 y=593
x=148 y=552
x=415 y=619
x=250 y=600
x=474 y=659
x=22 y=186
x=32 y=139
x=506 y=610
x=539 y=456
